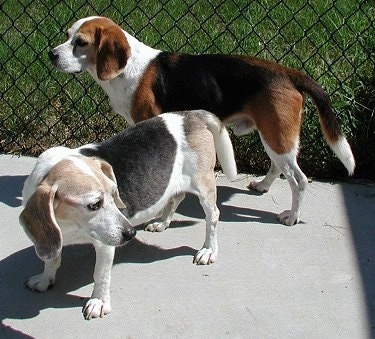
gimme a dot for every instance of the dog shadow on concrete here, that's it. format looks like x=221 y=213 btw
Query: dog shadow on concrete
x=190 y=207
x=17 y=302
x=11 y=189
x=78 y=262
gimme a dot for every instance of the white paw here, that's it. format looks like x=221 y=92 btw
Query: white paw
x=39 y=283
x=156 y=226
x=95 y=308
x=288 y=218
x=205 y=256
x=258 y=186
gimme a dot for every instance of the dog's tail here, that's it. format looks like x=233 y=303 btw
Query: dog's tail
x=223 y=144
x=328 y=121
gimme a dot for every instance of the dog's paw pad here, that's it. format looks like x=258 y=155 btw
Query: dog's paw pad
x=205 y=256
x=95 y=308
x=39 y=283
x=288 y=218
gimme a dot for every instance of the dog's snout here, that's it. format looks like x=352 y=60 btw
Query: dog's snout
x=53 y=56
x=129 y=233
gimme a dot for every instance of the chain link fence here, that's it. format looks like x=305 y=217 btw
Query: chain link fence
x=333 y=41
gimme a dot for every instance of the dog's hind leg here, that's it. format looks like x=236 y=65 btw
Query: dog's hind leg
x=279 y=129
x=207 y=198
x=287 y=163
x=161 y=223
x=264 y=185
x=297 y=182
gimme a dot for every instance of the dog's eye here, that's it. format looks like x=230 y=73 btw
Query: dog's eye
x=80 y=43
x=95 y=206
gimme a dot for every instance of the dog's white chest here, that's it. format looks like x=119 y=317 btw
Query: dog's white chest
x=120 y=91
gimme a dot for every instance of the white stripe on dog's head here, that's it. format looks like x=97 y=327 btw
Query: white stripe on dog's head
x=81 y=164
x=75 y=27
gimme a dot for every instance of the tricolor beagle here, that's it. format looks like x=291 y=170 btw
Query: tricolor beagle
x=75 y=195
x=245 y=92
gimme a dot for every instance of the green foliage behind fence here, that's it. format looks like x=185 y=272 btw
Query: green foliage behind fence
x=333 y=41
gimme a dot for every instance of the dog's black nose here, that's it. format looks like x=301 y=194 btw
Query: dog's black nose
x=52 y=55
x=129 y=233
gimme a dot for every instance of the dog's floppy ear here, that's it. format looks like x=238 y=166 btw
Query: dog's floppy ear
x=108 y=172
x=39 y=222
x=112 y=54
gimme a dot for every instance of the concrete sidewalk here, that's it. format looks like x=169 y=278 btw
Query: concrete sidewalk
x=312 y=280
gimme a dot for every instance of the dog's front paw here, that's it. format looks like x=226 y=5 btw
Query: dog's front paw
x=258 y=186
x=39 y=283
x=95 y=308
x=156 y=226
x=288 y=218
x=205 y=256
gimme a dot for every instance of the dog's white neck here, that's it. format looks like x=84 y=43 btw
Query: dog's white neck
x=121 y=89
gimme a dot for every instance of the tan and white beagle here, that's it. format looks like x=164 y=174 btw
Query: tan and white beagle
x=245 y=92
x=97 y=192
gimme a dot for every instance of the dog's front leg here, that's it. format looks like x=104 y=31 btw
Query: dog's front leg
x=43 y=281
x=100 y=304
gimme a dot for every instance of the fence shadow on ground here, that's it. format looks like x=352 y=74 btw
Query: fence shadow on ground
x=360 y=207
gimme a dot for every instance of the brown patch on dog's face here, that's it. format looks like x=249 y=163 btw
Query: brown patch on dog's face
x=109 y=49
x=96 y=44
